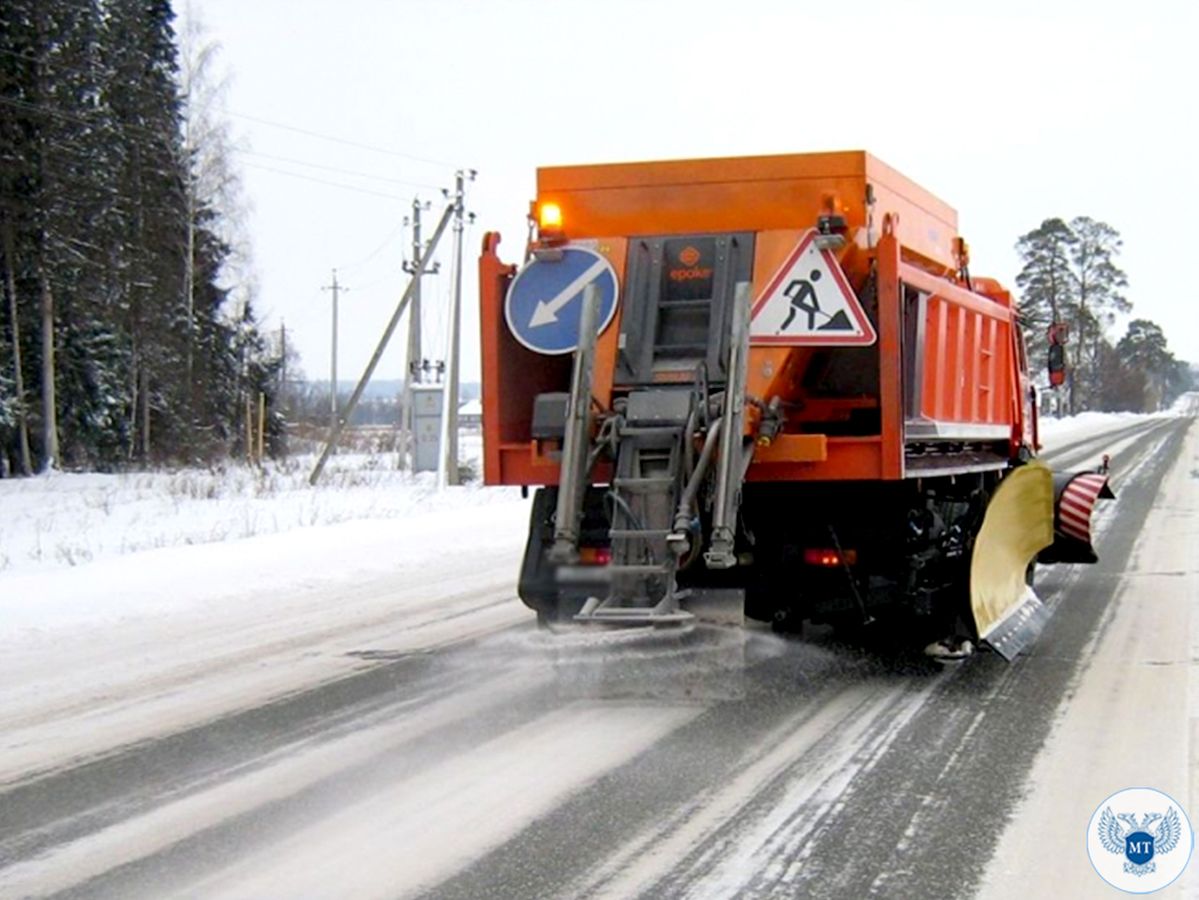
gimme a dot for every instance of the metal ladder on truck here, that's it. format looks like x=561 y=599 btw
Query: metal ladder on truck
x=656 y=481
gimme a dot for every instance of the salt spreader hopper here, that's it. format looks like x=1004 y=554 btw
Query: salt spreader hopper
x=767 y=386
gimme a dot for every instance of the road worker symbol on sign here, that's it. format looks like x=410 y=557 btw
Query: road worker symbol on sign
x=809 y=301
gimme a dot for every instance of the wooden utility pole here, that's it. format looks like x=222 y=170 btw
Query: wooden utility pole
x=335 y=288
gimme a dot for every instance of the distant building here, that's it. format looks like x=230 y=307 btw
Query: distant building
x=470 y=414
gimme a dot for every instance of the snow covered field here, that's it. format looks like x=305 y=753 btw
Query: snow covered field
x=66 y=520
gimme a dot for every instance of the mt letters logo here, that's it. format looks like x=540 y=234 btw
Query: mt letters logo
x=1139 y=840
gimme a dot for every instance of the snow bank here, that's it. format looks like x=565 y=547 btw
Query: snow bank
x=86 y=549
x=67 y=520
x=1055 y=433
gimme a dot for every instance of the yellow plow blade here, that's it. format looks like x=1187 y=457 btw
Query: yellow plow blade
x=1017 y=525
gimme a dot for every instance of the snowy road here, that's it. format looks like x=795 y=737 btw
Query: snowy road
x=427 y=740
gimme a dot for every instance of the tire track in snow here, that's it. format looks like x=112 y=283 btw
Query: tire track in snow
x=937 y=764
x=136 y=692
x=925 y=821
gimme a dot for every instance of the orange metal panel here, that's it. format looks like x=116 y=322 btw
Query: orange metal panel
x=959 y=352
x=794 y=448
x=849 y=459
x=935 y=354
x=974 y=379
x=958 y=295
x=616 y=251
x=519 y=463
x=747 y=194
x=493 y=280
x=890 y=357
x=968 y=337
x=992 y=328
x=927 y=226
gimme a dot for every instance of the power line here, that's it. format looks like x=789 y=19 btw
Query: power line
x=27 y=106
x=90 y=64
x=45 y=110
x=300 y=162
x=339 y=140
x=336 y=184
x=387 y=240
x=374 y=284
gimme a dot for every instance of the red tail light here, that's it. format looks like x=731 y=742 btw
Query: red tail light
x=828 y=557
x=595 y=556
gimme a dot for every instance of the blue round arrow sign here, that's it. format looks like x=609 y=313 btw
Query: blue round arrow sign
x=546 y=298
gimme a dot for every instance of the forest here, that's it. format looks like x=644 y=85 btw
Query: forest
x=1071 y=284
x=127 y=331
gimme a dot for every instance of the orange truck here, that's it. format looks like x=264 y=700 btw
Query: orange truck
x=769 y=387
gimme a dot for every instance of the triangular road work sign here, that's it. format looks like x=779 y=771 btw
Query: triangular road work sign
x=809 y=302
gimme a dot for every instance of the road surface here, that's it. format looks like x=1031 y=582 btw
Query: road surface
x=436 y=744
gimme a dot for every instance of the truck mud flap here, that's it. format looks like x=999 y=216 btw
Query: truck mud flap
x=1017 y=526
x=1074 y=497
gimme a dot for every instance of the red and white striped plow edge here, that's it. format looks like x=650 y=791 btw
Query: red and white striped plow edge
x=1074 y=508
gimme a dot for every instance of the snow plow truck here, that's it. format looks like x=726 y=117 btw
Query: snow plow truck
x=769 y=387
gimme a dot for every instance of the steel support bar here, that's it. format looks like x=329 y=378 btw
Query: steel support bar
x=730 y=470
x=683 y=515
x=572 y=482
x=890 y=352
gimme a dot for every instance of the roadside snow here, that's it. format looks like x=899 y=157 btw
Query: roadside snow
x=174 y=579
x=65 y=520
x=90 y=549
x=1057 y=432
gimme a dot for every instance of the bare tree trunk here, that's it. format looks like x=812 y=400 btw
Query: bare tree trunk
x=134 y=399
x=189 y=291
x=145 y=392
x=49 y=403
x=10 y=282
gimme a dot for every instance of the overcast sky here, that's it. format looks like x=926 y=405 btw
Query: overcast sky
x=1031 y=111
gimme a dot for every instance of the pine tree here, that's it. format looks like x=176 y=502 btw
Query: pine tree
x=1047 y=289
x=1070 y=277
x=1143 y=349
x=1099 y=285
x=143 y=95
x=54 y=190
x=17 y=173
